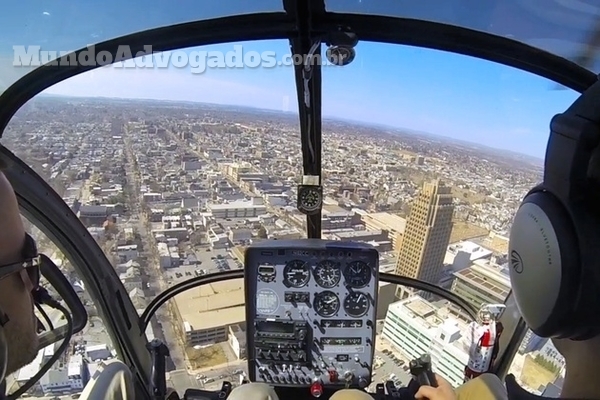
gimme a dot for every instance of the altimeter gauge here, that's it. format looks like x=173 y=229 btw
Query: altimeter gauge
x=327 y=274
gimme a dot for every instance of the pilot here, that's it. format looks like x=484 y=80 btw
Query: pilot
x=16 y=302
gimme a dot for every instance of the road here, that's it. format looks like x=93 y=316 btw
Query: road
x=383 y=373
x=151 y=274
x=182 y=379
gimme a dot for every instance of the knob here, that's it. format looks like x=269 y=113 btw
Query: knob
x=362 y=383
x=316 y=389
x=369 y=323
x=333 y=376
x=356 y=358
x=348 y=375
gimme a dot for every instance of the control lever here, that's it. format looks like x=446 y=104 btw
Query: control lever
x=420 y=369
x=159 y=352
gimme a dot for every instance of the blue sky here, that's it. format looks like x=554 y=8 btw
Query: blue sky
x=419 y=89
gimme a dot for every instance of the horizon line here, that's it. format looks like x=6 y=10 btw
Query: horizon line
x=406 y=130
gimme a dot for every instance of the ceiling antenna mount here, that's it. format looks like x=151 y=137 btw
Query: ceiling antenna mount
x=340 y=46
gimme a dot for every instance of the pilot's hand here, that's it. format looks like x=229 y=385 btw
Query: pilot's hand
x=444 y=391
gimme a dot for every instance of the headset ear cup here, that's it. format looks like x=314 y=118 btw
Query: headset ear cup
x=545 y=265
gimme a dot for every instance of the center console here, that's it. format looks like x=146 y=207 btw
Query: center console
x=310 y=311
x=420 y=369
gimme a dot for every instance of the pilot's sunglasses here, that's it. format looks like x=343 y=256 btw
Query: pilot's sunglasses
x=28 y=266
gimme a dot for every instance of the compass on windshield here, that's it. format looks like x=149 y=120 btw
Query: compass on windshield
x=310 y=199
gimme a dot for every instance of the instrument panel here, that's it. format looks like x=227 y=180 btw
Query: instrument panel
x=310 y=312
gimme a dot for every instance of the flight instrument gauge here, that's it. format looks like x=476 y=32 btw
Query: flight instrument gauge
x=310 y=199
x=356 y=304
x=296 y=274
x=326 y=304
x=327 y=274
x=357 y=274
x=266 y=272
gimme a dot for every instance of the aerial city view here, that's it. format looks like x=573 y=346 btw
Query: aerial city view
x=173 y=190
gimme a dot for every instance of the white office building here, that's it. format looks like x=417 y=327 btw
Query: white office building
x=416 y=327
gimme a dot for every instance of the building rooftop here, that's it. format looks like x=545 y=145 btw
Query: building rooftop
x=213 y=305
x=475 y=250
x=237 y=204
x=394 y=222
x=357 y=234
x=432 y=319
x=487 y=279
x=75 y=365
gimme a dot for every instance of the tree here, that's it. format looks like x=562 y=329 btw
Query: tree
x=196 y=238
x=117 y=199
x=406 y=209
x=262 y=233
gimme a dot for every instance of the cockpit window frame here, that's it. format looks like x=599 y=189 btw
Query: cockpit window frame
x=278 y=25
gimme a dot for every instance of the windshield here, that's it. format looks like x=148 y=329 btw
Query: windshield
x=43 y=30
x=175 y=171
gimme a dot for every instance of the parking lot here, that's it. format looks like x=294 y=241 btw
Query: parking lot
x=208 y=261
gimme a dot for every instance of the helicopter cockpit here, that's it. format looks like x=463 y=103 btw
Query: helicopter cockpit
x=288 y=193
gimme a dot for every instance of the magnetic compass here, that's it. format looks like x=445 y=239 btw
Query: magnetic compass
x=310 y=199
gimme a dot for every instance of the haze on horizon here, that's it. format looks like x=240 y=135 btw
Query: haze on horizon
x=326 y=118
x=468 y=100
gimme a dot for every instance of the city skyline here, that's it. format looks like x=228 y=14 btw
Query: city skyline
x=430 y=91
x=294 y=113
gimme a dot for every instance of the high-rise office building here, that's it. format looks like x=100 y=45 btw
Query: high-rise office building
x=427 y=234
x=415 y=327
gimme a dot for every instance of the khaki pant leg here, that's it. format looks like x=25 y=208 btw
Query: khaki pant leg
x=350 y=394
x=253 y=391
x=484 y=387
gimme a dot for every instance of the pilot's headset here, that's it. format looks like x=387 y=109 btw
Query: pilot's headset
x=555 y=238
